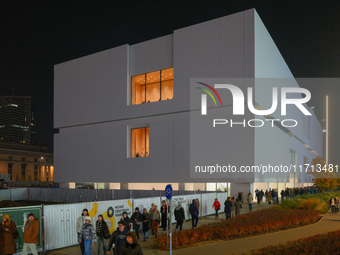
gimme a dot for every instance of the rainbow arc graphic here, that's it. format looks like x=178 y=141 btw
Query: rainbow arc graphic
x=204 y=97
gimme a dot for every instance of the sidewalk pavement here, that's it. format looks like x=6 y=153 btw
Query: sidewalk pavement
x=330 y=222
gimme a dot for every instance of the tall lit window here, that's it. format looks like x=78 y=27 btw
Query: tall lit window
x=140 y=142
x=152 y=87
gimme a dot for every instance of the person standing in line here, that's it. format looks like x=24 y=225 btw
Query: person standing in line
x=131 y=246
x=164 y=212
x=198 y=205
x=146 y=222
x=193 y=210
x=269 y=197
x=227 y=208
x=258 y=197
x=156 y=218
x=118 y=237
x=7 y=228
x=237 y=207
x=217 y=206
x=332 y=204
x=239 y=197
x=30 y=236
x=250 y=201
x=80 y=224
x=102 y=231
x=137 y=221
x=126 y=218
x=232 y=207
x=152 y=207
x=179 y=216
x=88 y=234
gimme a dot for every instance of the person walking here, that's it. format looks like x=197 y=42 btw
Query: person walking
x=164 y=212
x=156 y=218
x=118 y=237
x=250 y=201
x=88 y=235
x=80 y=224
x=232 y=207
x=237 y=207
x=336 y=204
x=217 y=206
x=193 y=210
x=137 y=219
x=102 y=231
x=7 y=229
x=131 y=246
x=227 y=208
x=30 y=236
x=146 y=222
x=179 y=216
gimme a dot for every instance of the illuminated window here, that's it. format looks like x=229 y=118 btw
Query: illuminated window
x=152 y=87
x=140 y=142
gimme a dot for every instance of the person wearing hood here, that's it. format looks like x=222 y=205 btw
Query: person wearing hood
x=7 y=228
x=193 y=210
x=30 y=236
x=179 y=216
x=137 y=220
x=131 y=246
x=227 y=208
x=88 y=235
x=80 y=224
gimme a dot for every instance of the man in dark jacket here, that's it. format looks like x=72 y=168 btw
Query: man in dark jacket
x=193 y=210
x=227 y=208
x=118 y=237
x=179 y=216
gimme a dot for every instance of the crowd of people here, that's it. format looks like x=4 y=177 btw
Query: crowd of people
x=8 y=232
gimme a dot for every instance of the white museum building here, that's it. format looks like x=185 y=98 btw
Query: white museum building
x=123 y=114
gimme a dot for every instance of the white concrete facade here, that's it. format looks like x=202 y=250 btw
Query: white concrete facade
x=94 y=115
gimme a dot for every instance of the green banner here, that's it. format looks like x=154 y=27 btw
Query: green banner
x=19 y=215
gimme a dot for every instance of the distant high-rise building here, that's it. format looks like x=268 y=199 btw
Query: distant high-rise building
x=15 y=119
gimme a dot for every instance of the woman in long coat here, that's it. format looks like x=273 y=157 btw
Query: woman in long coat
x=7 y=228
x=227 y=208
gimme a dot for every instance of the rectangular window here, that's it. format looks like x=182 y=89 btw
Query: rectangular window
x=35 y=160
x=10 y=170
x=10 y=158
x=35 y=167
x=23 y=172
x=140 y=142
x=293 y=157
x=35 y=175
x=152 y=87
x=23 y=159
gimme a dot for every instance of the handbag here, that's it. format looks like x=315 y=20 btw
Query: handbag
x=218 y=208
x=16 y=234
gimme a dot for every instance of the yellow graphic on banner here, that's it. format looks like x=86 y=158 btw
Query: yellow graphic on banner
x=129 y=203
x=94 y=210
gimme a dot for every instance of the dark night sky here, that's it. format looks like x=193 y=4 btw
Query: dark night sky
x=36 y=35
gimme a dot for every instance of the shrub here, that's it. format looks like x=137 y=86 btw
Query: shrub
x=326 y=244
x=248 y=224
x=290 y=204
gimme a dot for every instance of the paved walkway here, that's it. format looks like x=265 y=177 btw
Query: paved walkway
x=330 y=222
